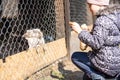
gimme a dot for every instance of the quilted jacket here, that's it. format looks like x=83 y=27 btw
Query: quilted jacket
x=104 y=40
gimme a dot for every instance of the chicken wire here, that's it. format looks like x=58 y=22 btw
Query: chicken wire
x=114 y=1
x=19 y=16
x=78 y=11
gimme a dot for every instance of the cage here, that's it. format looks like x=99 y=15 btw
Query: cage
x=20 y=16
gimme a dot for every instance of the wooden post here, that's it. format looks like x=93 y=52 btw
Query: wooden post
x=67 y=28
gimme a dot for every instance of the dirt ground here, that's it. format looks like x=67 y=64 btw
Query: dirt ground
x=63 y=69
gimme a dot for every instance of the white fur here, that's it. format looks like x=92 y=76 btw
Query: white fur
x=34 y=37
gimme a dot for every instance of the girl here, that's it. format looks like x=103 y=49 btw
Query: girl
x=104 y=59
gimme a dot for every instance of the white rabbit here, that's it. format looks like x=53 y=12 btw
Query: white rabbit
x=34 y=37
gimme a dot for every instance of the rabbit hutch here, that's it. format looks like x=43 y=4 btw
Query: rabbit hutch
x=35 y=33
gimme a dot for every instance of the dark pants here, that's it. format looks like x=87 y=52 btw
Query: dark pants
x=81 y=60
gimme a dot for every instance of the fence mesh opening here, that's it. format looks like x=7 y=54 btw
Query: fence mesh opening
x=18 y=17
x=78 y=11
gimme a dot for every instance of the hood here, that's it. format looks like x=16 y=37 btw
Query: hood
x=109 y=10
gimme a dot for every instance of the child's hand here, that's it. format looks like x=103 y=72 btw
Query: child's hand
x=84 y=27
x=75 y=26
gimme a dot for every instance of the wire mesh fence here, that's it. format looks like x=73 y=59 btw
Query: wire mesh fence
x=78 y=11
x=31 y=22
x=28 y=22
x=114 y=1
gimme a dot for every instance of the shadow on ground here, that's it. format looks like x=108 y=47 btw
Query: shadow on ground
x=66 y=74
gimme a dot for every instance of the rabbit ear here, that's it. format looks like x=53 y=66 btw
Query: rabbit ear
x=37 y=30
x=27 y=34
x=24 y=35
x=29 y=31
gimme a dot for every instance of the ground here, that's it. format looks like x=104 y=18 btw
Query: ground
x=63 y=69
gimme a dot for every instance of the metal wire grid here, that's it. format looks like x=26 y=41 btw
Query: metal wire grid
x=18 y=16
x=114 y=1
x=78 y=11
